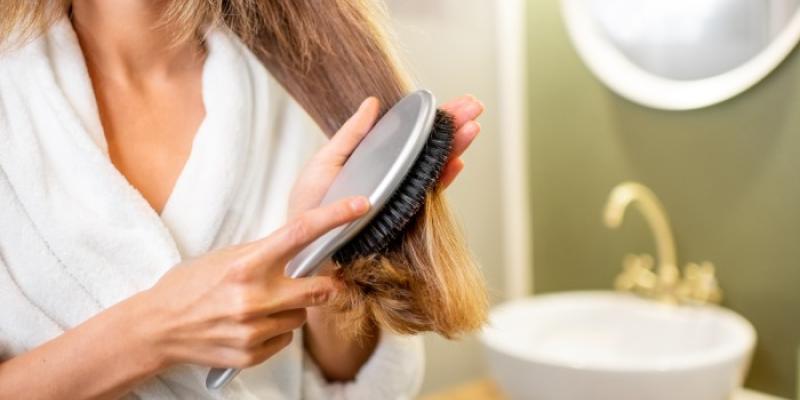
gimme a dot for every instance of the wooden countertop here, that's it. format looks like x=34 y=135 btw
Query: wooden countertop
x=486 y=389
x=479 y=389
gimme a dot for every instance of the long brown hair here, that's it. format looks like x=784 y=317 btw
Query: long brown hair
x=330 y=55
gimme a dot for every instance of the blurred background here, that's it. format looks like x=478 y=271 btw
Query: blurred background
x=450 y=47
x=696 y=100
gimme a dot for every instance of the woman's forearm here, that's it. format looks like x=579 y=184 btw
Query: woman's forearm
x=103 y=358
x=338 y=358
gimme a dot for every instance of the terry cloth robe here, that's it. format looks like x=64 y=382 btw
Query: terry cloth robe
x=76 y=237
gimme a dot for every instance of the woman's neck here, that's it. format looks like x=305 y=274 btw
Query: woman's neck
x=125 y=40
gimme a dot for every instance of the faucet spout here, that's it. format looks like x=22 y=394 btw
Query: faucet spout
x=647 y=203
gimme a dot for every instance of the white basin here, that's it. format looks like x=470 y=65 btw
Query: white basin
x=614 y=346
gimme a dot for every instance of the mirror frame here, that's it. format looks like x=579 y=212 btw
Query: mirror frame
x=632 y=82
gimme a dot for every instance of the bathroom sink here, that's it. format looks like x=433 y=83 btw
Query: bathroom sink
x=616 y=346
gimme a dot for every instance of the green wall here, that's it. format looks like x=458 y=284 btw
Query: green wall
x=728 y=175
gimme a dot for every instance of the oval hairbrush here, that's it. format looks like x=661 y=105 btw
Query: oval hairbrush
x=396 y=164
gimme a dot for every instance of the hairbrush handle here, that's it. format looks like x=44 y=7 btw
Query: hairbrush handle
x=219 y=377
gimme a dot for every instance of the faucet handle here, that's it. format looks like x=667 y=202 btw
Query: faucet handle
x=637 y=275
x=700 y=284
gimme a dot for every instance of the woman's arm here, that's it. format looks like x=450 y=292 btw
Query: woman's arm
x=232 y=307
x=105 y=357
x=339 y=358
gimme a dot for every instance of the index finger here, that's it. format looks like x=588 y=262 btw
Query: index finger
x=353 y=131
x=287 y=241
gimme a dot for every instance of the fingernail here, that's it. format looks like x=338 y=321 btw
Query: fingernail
x=359 y=204
x=475 y=108
x=321 y=298
x=364 y=103
x=472 y=128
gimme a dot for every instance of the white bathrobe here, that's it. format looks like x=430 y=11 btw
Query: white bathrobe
x=76 y=237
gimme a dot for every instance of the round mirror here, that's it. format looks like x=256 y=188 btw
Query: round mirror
x=682 y=54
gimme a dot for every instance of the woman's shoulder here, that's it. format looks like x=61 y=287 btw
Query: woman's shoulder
x=17 y=60
x=13 y=59
x=8 y=57
x=8 y=75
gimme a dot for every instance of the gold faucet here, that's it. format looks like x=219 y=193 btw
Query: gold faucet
x=663 y=281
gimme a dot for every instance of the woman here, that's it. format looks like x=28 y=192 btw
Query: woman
x=145 y=173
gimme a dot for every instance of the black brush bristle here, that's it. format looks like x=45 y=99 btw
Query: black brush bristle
x=403 y=206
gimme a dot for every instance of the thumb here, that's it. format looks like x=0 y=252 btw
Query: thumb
x=347 y=138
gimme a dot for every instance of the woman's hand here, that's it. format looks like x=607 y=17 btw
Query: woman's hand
x=234 y=307
x=338 y=358
x=465 y=110
x=323 y=167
